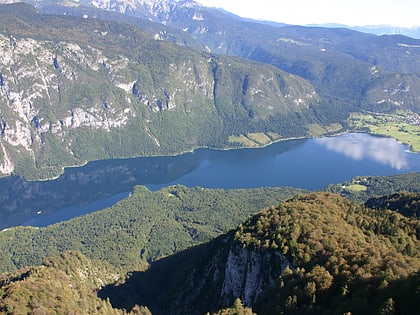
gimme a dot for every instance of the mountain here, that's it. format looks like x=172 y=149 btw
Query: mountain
x=342 y=64
x=147 y=78
x=75 y=89
x=413 y=32
x=315 y=253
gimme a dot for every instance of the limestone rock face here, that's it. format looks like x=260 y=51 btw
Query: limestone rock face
x=228 y=270
x=248 y=273
x=38 y=79
x=96 y=89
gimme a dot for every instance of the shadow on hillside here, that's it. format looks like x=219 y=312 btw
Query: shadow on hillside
x=184 y=283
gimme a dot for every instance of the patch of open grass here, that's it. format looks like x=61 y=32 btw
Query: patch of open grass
x=356 y=187
x=242 y=139
x=274 y=136
x=255 y=139
x=315 y=130
x=260 y=138
x=318 y=130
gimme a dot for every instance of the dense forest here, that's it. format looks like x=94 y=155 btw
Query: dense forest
x=63 y=284
x=344 y=257
x=144 y=227
x=321 y=253
x=406 y=203
x=314 y=254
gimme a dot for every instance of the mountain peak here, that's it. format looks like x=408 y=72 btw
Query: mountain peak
x=154 y=9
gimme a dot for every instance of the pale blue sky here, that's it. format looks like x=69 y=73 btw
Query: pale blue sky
x=404 y=13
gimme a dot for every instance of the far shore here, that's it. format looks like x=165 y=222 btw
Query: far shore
x=257 y=146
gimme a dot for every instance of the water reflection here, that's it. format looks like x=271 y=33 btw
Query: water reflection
x=309 y=164
x=21 y=200
x=386 y=151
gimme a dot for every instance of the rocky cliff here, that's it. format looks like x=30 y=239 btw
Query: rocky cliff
x=74 y=89
x=315 y=253
x=78 y=89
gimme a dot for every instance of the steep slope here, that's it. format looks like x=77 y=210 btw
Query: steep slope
x=155 y=28
x=343 y=65
x=60 y=87
x=408 y=204
x=74 y=89
x=314 y=254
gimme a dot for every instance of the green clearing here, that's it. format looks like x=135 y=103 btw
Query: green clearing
x=242 y=140
x=260 y=138
x=403 y=126
x=356 y=188
x=255 y=139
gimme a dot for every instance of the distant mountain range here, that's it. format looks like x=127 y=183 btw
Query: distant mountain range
x=413 y=32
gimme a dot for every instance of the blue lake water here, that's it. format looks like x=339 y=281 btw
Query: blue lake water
x=308 y=163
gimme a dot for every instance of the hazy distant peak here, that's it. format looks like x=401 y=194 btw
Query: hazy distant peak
x=377 y=29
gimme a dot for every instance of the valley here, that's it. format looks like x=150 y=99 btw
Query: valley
x=64 y=88
x=163 y=157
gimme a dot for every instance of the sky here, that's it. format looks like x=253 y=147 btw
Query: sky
x=403 y=13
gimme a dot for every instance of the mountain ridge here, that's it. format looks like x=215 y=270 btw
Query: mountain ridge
x=89 y=84
x=266 y=261
x=381 y=29
x=132 y=85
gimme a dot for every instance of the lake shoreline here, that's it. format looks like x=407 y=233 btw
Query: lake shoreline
x=260 y=146
x=299 y=162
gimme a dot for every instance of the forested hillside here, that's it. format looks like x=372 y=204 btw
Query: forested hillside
x=64 y=284
x=352 y=69
x=144 y=227
x=88 y=87
x=314 y=254
x=362 y=188
x=408 y=204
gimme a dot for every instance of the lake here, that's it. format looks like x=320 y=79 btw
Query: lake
x=306 y=163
